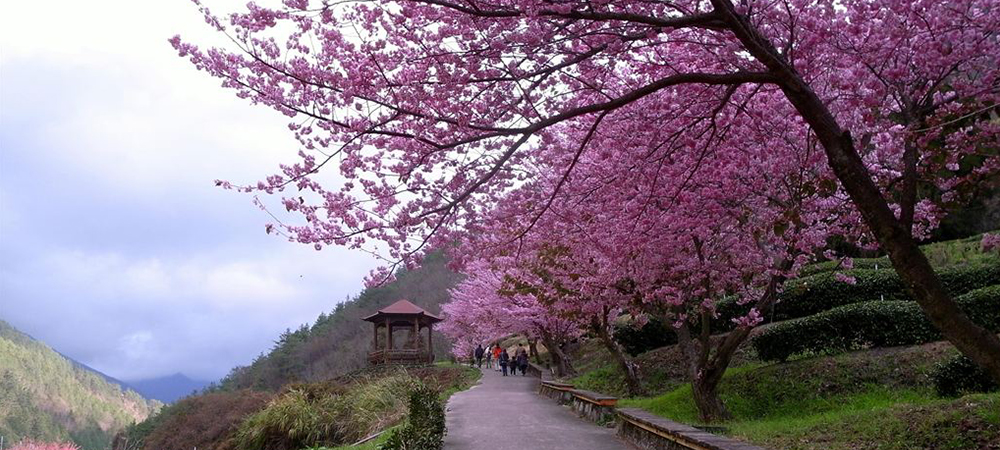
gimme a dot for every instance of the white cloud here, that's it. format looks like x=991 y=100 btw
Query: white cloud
x=200 y=315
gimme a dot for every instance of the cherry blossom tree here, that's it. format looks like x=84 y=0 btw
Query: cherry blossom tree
x=672 y=239
x=486 y=306
x=433 y=110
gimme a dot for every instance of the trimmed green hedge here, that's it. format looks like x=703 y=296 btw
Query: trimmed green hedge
x=959 y=376
x=814 y=294
x=828 y=267
x=869 y=324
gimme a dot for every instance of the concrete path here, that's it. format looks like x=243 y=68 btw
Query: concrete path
x=506 y=413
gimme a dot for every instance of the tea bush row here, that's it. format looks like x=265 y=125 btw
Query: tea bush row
x=868 y=325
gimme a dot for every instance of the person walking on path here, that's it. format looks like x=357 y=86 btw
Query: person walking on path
x=496 y=355
x=489 y=357
x=504 y=360
x=522 y=360
x=479 y=355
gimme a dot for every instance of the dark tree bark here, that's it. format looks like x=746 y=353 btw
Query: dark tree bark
x=707 y=365
x=908 y=187
x=978 y=343
x=704 y=380
x=561 y=361
x=629 y=368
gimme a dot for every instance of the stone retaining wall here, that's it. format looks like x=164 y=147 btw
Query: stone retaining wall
x=561 y=392
x=643 y=429
x=539 y=371
x=596 y=407
x=652 y=432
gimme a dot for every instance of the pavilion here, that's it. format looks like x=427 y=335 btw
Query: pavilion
x=402 y=315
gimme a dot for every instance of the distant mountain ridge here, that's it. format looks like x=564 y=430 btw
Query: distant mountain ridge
x=168 y=389
x=47 y=396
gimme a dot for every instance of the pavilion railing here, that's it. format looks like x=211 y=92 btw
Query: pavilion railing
x=399 y=356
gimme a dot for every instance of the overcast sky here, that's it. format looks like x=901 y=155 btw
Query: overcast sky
x=115 y=247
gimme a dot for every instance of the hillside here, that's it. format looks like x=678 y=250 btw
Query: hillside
x=168 y=389
x=838 y=366
x=338 y=342
x=44 y=395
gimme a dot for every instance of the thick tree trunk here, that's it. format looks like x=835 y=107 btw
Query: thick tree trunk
x=710 y=406
x=908 y=187
x=631 y=371
x=978 y=343
x=704 y=379
x=561 y=361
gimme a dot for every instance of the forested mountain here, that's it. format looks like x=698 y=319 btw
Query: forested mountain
x=339 y=342
x=45 y=396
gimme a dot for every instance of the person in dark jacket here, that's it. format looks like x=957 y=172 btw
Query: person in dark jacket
x=522 y=360
x=504 y=360
x=479 y=355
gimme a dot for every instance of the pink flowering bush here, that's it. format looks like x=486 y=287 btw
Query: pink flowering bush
x=29 y=444
x=990 y=242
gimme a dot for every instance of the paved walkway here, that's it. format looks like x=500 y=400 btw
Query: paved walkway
x=506 y=413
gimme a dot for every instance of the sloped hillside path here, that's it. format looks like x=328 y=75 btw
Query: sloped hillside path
x=506 y=413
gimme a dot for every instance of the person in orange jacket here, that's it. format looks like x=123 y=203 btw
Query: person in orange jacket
x=496 y=355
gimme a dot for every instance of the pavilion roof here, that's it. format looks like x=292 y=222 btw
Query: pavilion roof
x=403 y=308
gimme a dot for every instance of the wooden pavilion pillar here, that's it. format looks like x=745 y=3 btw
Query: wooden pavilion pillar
x=430 y=346
x=415 y=337
x=388 y=338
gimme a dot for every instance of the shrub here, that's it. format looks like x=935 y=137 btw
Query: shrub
x=651 y=335
x=28 y=444
x=205 y=421
x=959 y=376
x=870 y=324
x=318 y=414
x=814 y=294
x=425 y=427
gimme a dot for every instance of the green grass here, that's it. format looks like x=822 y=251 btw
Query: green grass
x=876 y=417
x=863 y=400
x=470 y=376
x=806 y=413
x=678 y=404
x=370 y=445
x=970 y=422
x=607 y=379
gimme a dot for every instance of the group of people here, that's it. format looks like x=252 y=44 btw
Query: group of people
x=498 y=359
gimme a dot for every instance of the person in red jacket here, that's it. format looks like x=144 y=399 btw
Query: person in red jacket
x=496 y=355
